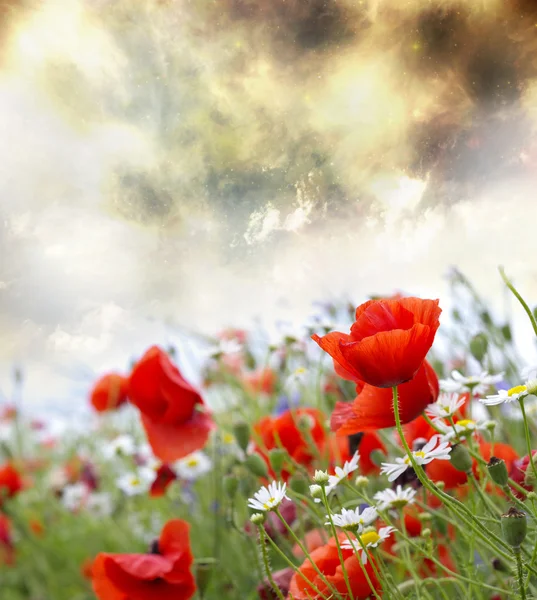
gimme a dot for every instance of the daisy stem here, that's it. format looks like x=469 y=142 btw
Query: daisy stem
x=306 y=554
x=456 y=506
x=362 y=565
x=490 y=507
x=519 y=298
x=264 y=554
x=528 y=438
x=338 y=546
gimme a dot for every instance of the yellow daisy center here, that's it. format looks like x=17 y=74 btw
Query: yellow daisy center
x=192 y=462
x=269 y=503
x=419 y=454
x=135 y=481
x=465 y=423
x=518 y=389
x=227 y=438
x=371 y=537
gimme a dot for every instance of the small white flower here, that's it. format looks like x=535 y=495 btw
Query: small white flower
x=99 y=504
x=224 y=348
x=139 y=482
x=73 y=496
x=193 y=466
x=446 y=406
x=321 y=477
x=297 y=378
x=505 y=396
x=268 y=498
x=353 y=518
x=369 y=539
x=427 y=454
x=478 y=384
x=461 y=429
x=122 y=445
x=342 y=473
x=389 y=498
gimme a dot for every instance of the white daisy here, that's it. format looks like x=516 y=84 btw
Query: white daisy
x=269 y=498
x=369 y=539
x=505 y=396
x=389 y=498
x=73 y=496
x=122 y=445
x=461 y=429
x=342 y=473
x=136 y=483
x=193 y=466
x=99 y=504
x=427 y=454
x=478 y=384
x=446 y=406
x=354 y=519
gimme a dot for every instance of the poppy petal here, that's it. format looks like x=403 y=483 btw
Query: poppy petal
x=384 y=315
x=143 y=566
x=331 y=344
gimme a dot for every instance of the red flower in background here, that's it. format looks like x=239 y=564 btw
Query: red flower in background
x=11 y=482
x=518 y=470
x=109 y=392
x=165 y=574
x=163 y=478
x=7 y=550
x=373 y=407
x=261 y=382
x=292 y=430
x=387 y=343
x=340 y=451
x=327 y=561
x=173 y=412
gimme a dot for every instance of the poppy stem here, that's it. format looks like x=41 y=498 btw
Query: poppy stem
x=520 y=573
x=528 y=438
x=264 y=554
x=523 y=303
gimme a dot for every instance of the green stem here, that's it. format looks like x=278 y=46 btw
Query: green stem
x=528 y=438
x=520 y=573
x=519 y=298
x=268 y=572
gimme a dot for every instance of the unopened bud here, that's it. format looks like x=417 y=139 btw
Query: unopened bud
x=460 y=458
x=256 y=465
x=377 y=457
x=321 y=477
x=204 y=568
x=506 y=332
x=231 y=484
x=299 y=484
x=531 y=496
x=361 y=481
x=258 y=518
x=426 y=533
x=305 y=422
x=498 y=565
x=440 y=485
x=241 y=430
x=316 y=491
x=425 y=516
x=478 y=346
x=498 y=471
x=277 y=457
x=514 y=526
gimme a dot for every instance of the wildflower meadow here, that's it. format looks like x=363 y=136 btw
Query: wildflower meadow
x=381 y=449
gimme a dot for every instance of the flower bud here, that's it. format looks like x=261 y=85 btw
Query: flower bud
x=231 y=485
x=204 y=568
x=377 y=457
x=440 y=485
x=498 y=471
x=299 y=484
x=426 y=533
x=256 y=465
x=506 y=332
x=316 y=491
x=277 y=457
x=425 y=516
x=258 y=518
x=460 y=458
x=498 y=565
x=241 y=430
x=321 y=477
x=514 y=526
x=478 y=346
x=361 y=482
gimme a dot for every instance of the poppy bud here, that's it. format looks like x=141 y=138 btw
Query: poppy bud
x=486 y=318
x=498 y=565
x=256 y=465
x=460 y=458
x=299 y=484
x=506 y=332
x=514 y=526
x=231 y=484
x=478 y=346
x=498 y=471
x=204 y=568
x=277 y=458
x=241 y=430
x=377 y=457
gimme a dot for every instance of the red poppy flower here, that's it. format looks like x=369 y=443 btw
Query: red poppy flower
x=163 y=478
x=281 y=578
x=261 y=382
x=387 y=343
x=164 y=574
x=173 y=412
x=327 y=561
x=109 y=392
x=10 y=481
x=373 y=407
x=289 y=431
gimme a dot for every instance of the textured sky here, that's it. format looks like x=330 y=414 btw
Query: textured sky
x=190 y=165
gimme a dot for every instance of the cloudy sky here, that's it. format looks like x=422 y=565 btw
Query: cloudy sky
x=167 y=167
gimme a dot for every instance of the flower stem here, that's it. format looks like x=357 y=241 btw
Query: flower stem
x=520 y=573
x=268 y=572
x=519 y=298
x=528 y=438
